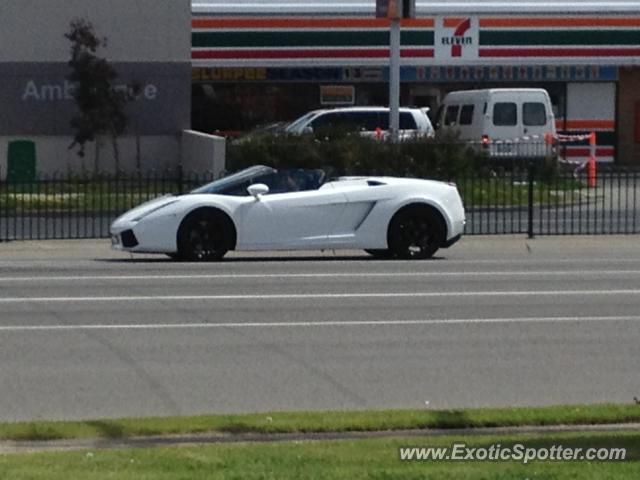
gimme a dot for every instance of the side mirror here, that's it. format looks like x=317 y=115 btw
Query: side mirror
x=307 y=130
x=258 y=189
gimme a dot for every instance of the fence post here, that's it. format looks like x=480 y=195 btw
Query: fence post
x=180 y=179
x=530 y=232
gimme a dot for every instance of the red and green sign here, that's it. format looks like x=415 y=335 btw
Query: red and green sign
x=471 y=40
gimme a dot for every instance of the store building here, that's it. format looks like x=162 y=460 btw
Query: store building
x=255 y=63
x=148 y=43
x=225 y=66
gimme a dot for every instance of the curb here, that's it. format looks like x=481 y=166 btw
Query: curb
x=27 y=446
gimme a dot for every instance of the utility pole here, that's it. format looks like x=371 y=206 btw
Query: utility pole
x=394 y=10
x=394 y=78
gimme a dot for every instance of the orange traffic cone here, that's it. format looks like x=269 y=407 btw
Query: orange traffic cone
x=591 y=172
x=591 y=164
x=548 y=138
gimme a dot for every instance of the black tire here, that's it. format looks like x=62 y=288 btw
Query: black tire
x=416 y=232
x=381 y=253
x=203 y=236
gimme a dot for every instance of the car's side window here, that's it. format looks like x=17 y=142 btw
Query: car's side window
x=289 y=180
x=451 y=115
x=534 y=114
x=466 y=114
x=373 y=120
x=352 y=121
x=237 y=190
x=326 y=120
x=438 y=117
x=407 y=122
x=240 y=189
x=349 y=121
x=505 y=114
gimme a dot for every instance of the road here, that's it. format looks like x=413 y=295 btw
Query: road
x=90 y=333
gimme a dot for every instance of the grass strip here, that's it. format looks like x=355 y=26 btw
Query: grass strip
x=476 y=193
x=328 y=460
x=324 y=421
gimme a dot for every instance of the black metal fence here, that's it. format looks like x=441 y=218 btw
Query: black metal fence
x=539 y=204
x=71 y=207
x=507 y=202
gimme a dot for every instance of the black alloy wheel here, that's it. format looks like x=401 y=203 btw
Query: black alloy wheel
x=416 y=232
x=203 y=236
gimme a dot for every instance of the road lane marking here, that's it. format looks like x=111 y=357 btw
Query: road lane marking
x=347 y=323
x=317 y=296
x=240 y=276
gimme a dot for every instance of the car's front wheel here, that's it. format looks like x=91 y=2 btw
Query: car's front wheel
x=203 y=236
x=416 y=232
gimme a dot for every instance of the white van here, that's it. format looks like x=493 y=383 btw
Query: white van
x=505 y=122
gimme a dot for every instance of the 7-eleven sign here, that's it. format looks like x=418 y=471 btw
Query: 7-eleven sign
x=456 y=38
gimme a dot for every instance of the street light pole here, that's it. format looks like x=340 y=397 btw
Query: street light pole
x=394 y=79
x=394 y=10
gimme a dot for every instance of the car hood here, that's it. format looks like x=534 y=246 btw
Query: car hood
x=147 y=207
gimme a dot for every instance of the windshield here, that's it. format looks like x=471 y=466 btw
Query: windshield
x=236 y=181
x=272 y=128
x=278 y=181
x=296 y=125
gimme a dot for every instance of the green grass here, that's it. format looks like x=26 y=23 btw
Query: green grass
x=496 y=192
x=373 y=459
x=109 y=195
x=78 y=198
x=39 y=203
x=338 y=421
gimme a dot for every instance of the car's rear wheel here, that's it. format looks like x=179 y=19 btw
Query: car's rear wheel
x=203 y=236
x=380 y=253
x=416 y=232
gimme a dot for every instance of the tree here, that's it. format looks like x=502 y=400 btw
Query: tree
x=100 y=103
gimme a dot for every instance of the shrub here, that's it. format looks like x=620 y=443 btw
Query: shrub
x=344 y=154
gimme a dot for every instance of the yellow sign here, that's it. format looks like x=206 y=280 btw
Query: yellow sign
x=337 y=95
x=230 y=74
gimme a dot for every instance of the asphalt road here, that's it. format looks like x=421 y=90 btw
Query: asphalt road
x=90 y=333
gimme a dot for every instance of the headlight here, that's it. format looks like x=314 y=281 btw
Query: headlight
x=159 y=207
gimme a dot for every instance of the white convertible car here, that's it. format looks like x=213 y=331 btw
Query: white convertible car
x=260 y=208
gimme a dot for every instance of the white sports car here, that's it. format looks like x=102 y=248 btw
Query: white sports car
x=260 y=208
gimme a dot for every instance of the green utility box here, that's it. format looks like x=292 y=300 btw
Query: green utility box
x=21 y=161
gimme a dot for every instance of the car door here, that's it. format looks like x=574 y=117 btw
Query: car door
x=536 y=120
x=289 y=220
x=505 y=127
x=362 y=196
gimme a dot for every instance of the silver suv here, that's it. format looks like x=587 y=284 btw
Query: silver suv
x=365 y=120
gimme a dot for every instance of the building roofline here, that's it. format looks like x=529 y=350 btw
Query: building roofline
x=423 y=8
